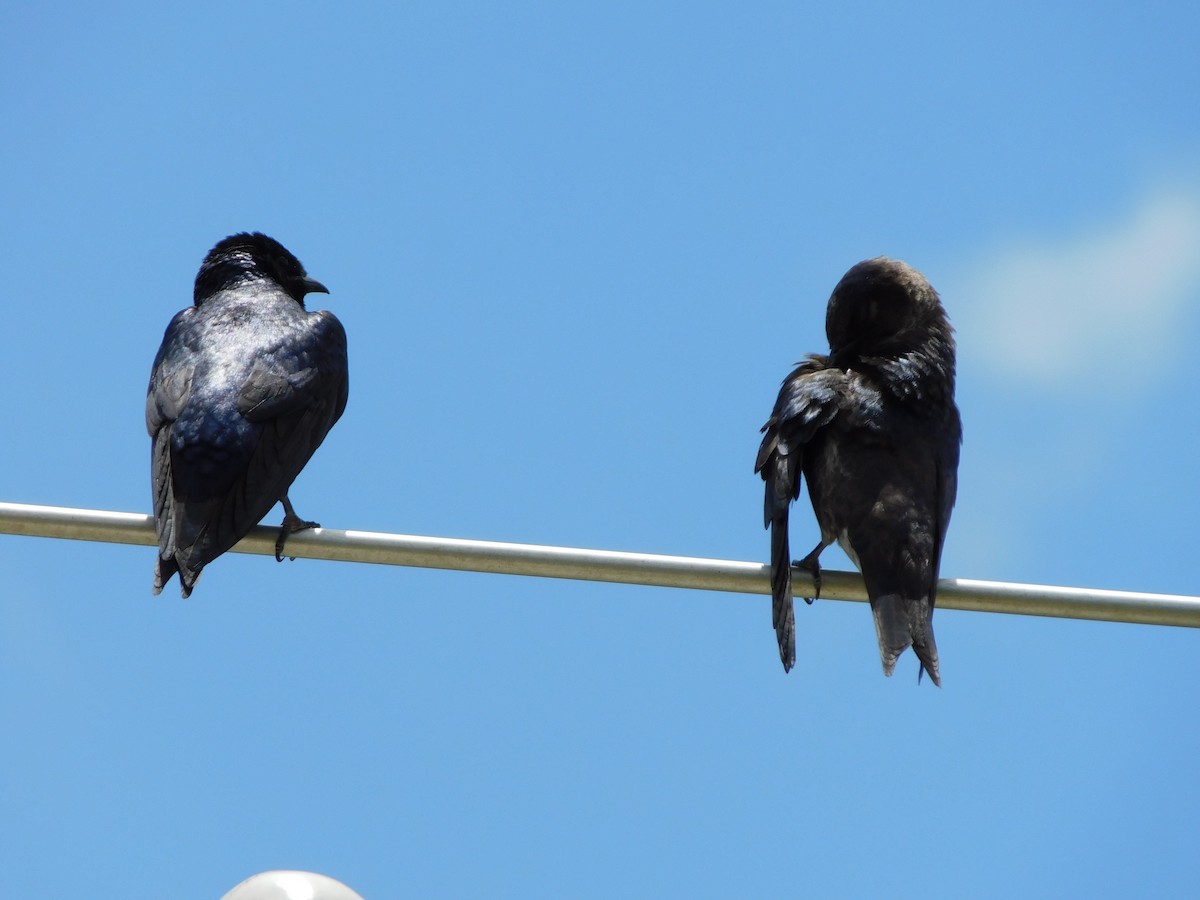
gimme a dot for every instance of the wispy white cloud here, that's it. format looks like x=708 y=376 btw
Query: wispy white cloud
x=1064 y=308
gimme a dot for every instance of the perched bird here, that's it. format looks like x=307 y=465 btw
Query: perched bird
x=874 y=429
x=244 y=388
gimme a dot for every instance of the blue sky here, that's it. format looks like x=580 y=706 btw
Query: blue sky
x=575 y=248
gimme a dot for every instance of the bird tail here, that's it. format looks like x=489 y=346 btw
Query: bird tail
x=780 y=473
x=165 y=568
x=900 y=624
x=171 y=558
x=783 y=614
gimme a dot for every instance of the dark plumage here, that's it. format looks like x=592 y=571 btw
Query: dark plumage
x=874 y=429
x=244 y=388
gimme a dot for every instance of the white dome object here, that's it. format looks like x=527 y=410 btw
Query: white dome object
x=287 y=885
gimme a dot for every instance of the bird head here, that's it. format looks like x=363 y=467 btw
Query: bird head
x=253 y=256
x=883 y=307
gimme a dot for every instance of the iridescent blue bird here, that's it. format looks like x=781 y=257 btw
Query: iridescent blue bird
x=244 y=388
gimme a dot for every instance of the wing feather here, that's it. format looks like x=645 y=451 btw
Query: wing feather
x=809 y=400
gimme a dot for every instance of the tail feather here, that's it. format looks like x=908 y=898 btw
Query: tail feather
x=163 y=570
x=170 y=560
x=171 y=557
x=900 y=624
x=780 y=483
x=783 y=614
x=166 y=567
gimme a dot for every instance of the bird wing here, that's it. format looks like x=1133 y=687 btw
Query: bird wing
x=219 y=467
x=809 y=400
x=291 y=397
x=947 y=490
x=171 y=375
x=168 y=393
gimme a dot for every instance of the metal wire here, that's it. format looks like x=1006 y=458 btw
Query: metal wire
x=609 y=565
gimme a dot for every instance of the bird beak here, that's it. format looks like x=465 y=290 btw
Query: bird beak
x=312 y=286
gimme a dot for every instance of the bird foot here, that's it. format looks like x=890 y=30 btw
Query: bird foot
x=810 y=565
x=291 y=524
